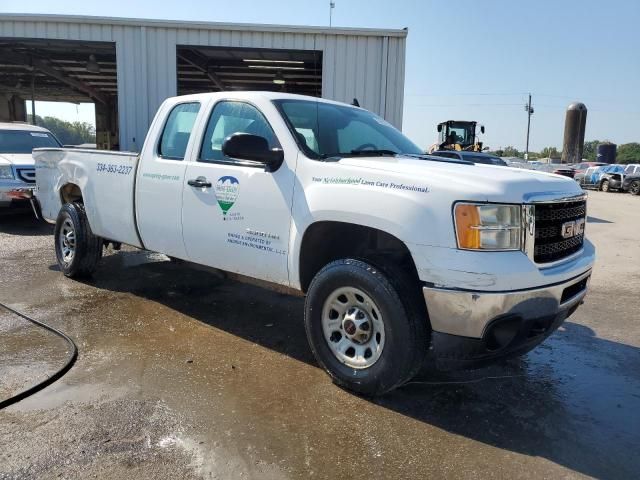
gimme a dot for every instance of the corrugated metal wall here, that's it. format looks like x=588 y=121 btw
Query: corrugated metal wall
x=365 y=65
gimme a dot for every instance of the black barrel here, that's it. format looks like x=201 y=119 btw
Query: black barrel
x=574 y=126
x=606 y=152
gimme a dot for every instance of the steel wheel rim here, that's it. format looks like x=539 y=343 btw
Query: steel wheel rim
x=605 y=186
x=635 y=188
x=353 y=327
x=67 y=241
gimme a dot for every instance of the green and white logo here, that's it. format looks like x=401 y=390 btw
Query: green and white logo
x=227 y=189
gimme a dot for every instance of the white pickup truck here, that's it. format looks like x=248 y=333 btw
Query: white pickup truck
x=398 y=253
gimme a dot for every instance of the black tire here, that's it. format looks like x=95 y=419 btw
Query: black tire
x=405 y=325
x=604 y=186
x=634 y=188
x=87 y=246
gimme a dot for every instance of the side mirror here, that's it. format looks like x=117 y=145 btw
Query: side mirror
x=244 y=146
x=439 y=128
x=482 y=128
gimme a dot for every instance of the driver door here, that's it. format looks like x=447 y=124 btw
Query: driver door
x=236 y=215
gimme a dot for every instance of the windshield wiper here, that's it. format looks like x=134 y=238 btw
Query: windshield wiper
x=374 y=153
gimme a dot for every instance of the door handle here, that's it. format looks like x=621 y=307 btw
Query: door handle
x=200 y=182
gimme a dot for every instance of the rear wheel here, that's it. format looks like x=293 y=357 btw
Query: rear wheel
x=634 y=188
x=365 y=327
x=78 y=250
x=604 y=186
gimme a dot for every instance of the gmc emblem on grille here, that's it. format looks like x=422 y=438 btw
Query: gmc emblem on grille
x=573 y=228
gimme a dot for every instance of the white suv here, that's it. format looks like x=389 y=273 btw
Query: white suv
x=17 y=170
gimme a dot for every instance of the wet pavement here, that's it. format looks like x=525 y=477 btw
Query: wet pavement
x=183 y=373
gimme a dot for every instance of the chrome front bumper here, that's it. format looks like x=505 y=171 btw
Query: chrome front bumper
x=469 y=313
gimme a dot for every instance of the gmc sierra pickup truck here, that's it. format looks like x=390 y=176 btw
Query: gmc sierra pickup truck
x=397 y=253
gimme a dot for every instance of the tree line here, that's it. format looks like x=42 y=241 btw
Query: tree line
x=626 y=153
x=69 y=133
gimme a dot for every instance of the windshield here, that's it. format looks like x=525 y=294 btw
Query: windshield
x=327 y=130
x=459 y=132
x=22 y=141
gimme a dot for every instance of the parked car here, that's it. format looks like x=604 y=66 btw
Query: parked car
x=475 y=157
x=557 y=168
x=17 y=171
x=564 y=170
x=398 y=253
x=582 y=166
x=612 y=177
x=631 y=182
x=605 y=178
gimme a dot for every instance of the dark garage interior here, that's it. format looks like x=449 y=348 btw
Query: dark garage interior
x=63 y=71
x=213 y=69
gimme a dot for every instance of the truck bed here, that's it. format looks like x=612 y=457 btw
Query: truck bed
x=104 y=177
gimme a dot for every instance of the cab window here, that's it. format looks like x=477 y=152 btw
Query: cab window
x=177 y=130
x=227 y=118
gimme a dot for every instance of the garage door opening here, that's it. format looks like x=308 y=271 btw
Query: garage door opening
x=215 y=69
x=71 y=72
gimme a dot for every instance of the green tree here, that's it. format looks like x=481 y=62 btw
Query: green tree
x=550 y=152
x=69 y=133
x=511 y=152
x=628 y=153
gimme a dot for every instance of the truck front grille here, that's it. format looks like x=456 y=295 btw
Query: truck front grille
x=550 y=245
x=27 y=175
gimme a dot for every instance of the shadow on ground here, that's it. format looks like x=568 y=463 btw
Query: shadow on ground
x=574 y=400
x=23 y=222
x=597 y=220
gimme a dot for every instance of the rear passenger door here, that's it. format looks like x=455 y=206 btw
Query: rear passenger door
x=159 y=182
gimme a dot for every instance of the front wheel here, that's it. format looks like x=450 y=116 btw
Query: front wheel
x=634 y=188
x=605 y=186
x=365 y=327
x=78 y=250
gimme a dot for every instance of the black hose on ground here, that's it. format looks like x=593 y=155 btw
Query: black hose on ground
x=57 y=375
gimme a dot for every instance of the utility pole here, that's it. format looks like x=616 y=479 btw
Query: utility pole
x=529 y=109
x=33 y=99
x=332 y=5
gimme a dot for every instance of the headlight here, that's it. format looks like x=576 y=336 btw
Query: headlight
x=6 y=173
x=488 y=226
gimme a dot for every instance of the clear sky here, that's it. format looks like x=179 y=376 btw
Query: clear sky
x=469 y=59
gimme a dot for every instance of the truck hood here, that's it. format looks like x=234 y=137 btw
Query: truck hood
x=16 y=159
x=469 y=181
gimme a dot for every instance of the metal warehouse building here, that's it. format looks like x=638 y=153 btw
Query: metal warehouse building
x=127 y=67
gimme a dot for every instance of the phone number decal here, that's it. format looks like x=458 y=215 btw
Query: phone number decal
x=114 y=169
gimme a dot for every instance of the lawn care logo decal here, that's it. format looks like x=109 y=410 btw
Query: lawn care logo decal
x=227 y=189
x=371 y=183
